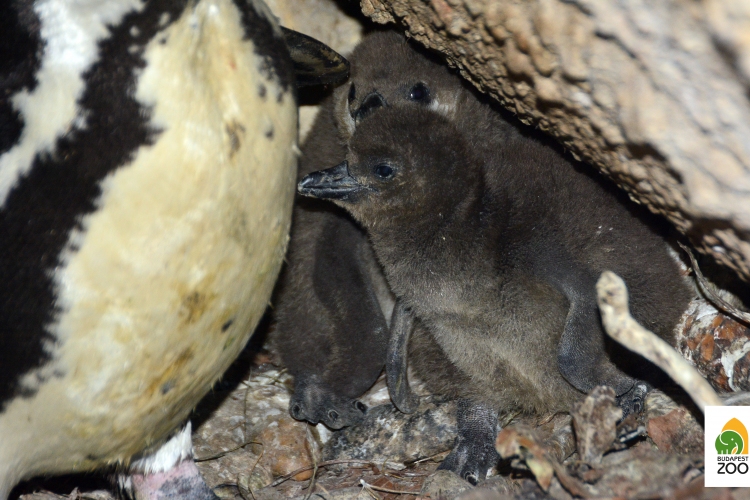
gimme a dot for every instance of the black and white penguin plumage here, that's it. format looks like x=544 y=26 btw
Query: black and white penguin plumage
x=147 y=169
x=332 y=303
x=493 y=241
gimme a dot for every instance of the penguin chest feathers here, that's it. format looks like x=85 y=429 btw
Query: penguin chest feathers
x=158 y=287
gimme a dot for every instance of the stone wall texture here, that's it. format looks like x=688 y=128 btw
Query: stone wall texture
x=655 y=94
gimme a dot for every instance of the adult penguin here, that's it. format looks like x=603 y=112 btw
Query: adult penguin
x=147 y=169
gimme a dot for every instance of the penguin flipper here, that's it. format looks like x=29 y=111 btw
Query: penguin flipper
x=402 y=323
x=582 y=356
x=315 y=63
x=583 y=362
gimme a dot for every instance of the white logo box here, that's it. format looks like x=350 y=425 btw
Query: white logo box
x=725 y=469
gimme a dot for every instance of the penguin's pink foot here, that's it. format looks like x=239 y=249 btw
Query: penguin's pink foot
x=181 y=482
x=168 y=473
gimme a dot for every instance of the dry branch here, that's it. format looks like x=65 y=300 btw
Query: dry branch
x=620 y=325
x=711 y=294
x=517 y=441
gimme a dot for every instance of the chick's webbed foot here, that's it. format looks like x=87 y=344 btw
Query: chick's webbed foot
x=633 y=401
x=314 y=402
x=474 y=451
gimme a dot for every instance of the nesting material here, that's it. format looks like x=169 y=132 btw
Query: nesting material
x=613 y=304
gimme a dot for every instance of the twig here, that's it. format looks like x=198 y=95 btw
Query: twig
x=223 y=453
x=247 y=393
x=242 y=493
x=286 y=477
x=367 y=489
x=711 y=294
x=274 y=380
x=249 y=489
x=737 y=399
x=262 y=451
x=613 y=304
x=431 y=457
x=277 y=378
x=386 y=490
x=570 y=483
x=311 y=448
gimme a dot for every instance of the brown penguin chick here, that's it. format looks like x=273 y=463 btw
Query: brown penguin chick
x=387 y=70
x=331 y=332
x=494 y=242
x=332 y=300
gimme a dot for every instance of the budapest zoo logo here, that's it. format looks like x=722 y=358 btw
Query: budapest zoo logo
x=729 y=444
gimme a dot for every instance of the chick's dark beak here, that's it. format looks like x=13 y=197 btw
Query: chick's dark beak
x=334 y=183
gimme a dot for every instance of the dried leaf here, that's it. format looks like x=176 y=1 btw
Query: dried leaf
x=595 y=423
x=511 y=443
x=677 y=431
x=518 y=441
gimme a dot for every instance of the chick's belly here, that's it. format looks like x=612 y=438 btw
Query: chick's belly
x=508 y=364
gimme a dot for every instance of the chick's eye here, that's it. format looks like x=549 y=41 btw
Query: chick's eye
x=419 y=92
x=383 y=171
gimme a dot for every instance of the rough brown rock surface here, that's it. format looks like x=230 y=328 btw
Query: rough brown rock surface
x=653 y=93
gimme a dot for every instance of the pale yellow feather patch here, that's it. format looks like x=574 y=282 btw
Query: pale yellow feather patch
x=188 y=237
